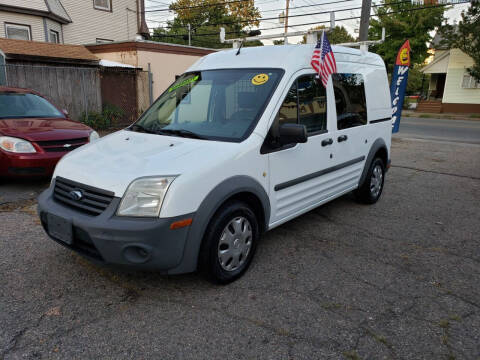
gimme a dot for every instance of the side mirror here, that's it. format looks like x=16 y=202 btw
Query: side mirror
x=65 y=112
x=292 y=134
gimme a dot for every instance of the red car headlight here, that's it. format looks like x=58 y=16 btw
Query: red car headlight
x=15 y=145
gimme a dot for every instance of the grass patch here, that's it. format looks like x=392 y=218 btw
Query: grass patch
x=330 y=306
x=444 y=323
x=352 y=355
x=474 y=116
x=425 y=116
x=455 y=317
x=379 y=338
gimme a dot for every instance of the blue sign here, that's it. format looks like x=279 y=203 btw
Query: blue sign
x=398 y=85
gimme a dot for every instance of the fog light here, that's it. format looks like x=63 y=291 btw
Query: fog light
x=137 y=254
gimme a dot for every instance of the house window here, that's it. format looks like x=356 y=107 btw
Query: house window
x=469 y=82
x=18 y=32
x=105 y=5
x=54 y=37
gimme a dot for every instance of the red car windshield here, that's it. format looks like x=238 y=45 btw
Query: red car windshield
x=20 y=106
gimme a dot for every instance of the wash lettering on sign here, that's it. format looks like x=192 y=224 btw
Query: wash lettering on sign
x=398 y=85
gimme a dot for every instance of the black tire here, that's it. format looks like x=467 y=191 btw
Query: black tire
x=365 y=194
x=209 y=257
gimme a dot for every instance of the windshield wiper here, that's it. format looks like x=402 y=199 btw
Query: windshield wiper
x=140 y=128
x=181 y=132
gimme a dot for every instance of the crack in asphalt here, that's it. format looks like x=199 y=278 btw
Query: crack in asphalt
x=436 y=172
x=12 y=346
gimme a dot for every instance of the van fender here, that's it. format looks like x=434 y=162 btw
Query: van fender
x=207 y=209
x=377 y=145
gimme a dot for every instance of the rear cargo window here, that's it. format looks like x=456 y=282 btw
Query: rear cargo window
x=350 y=100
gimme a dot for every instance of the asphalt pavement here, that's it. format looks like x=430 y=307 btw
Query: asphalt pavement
x=464 y=131
x=395 y=280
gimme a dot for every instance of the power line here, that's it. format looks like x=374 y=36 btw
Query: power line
x=203 y=6
x=297 y=7
x=297 y=15
x=327 y=21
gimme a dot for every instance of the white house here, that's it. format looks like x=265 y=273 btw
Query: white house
x=451 y=88
x=72 y=21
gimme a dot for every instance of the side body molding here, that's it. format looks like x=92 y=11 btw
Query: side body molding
x=211 y=203
x=377 y=145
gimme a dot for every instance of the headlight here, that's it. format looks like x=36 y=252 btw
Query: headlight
x=93 y=136
x=144 y=197
x=16 y=145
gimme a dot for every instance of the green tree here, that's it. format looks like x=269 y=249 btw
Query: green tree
x=206 y=17
x=337 y=35
x=465 y=36
x=415 y=80
x=401 y=22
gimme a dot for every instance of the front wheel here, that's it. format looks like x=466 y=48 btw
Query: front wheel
x=369 y=192
x=229 y=243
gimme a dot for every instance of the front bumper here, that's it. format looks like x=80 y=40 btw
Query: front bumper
x=147 y=244
x=20 y=165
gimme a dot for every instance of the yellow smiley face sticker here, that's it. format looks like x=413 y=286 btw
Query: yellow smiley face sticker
x=260 y=79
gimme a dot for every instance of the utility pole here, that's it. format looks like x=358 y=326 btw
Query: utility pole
x=189 y=35
x=286 y=15
x=285 y=41
x=365 y=20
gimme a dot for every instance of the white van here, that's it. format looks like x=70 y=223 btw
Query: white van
x=238 y=145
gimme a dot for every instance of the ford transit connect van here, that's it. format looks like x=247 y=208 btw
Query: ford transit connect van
x=239 y=144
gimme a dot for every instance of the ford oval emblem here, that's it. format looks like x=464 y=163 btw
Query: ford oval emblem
x=76 y=195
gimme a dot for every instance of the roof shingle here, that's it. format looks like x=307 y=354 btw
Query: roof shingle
x=46 y=50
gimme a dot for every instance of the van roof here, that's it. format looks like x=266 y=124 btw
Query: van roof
x=288 y=57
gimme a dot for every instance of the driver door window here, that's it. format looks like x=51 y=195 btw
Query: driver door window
x=306 y=104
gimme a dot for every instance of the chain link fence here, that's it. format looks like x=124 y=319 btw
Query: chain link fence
x=101 y=97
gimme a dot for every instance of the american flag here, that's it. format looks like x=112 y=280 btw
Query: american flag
x=323 y=60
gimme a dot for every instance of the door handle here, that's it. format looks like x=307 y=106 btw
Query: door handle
x=327 y=142
x=342 y=138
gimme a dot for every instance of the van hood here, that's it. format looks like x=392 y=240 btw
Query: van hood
x=114 y=161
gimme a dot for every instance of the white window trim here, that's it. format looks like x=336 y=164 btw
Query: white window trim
x=108 y=8
x=472 y=84
x=103 y=41
x=57 y=34
x=18 y=26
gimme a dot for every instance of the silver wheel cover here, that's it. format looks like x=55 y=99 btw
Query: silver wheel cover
x=235 y=244
x=376 y=181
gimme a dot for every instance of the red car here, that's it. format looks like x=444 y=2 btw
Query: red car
x=34 y=134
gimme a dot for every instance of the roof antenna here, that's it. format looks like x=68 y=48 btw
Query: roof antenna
x=240 y=47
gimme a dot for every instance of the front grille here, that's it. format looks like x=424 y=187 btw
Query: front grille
x=62 y=145
x=93 y=201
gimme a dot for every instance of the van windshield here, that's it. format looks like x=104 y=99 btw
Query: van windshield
x=220 y=105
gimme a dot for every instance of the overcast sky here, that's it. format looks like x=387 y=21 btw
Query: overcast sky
x=272 y=8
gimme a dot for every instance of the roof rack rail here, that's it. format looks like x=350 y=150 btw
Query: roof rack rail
x=312 y=38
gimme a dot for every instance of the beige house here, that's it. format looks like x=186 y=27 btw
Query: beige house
x=72 y=21
x=451 y=88
x=164 y=60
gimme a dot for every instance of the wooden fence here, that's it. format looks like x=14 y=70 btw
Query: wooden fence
x=75 y=89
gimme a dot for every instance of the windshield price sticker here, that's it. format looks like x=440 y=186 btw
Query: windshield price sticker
x=260 y=79
x=184 y=83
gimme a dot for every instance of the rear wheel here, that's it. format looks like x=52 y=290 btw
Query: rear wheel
x=229 y=243
x=369 y=192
